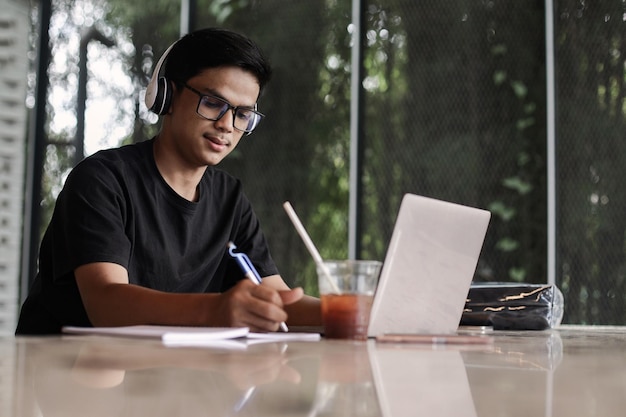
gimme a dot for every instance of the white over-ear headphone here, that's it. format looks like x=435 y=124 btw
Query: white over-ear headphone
x=159 y=90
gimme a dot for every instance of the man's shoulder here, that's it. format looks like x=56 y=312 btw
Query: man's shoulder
x=112 y=166
x=132 y=156
x=130 y=152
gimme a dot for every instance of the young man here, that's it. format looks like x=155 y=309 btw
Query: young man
x=139 y=234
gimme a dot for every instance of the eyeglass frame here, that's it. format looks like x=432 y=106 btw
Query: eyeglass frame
x=234 y=109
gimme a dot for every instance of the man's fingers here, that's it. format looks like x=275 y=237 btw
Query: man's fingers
x=260 y=307
x=291 y=296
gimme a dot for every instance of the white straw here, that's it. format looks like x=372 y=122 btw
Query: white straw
x=309 y=244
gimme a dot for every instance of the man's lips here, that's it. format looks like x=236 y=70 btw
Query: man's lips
x=217 y=143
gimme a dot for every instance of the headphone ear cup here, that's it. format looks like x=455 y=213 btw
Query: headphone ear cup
x=159 y=90
x=163 y=97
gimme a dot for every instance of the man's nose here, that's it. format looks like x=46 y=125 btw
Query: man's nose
x=226 y=122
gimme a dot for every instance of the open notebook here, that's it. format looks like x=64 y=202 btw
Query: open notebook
x=192 y=336
x=429 y=266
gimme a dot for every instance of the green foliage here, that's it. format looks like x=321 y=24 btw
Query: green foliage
x=518 y=184
x=501 y=210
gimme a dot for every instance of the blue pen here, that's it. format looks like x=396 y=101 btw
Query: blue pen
x=249 y=270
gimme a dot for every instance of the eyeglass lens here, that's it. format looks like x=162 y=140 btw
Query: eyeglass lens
x=214 y=108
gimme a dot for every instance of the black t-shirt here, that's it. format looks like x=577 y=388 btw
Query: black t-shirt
x=115 y=207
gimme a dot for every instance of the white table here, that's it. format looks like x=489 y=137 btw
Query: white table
x=573 y=371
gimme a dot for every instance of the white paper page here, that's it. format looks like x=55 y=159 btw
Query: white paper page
x=244 y=342
x=163 y=332
x=282 y=337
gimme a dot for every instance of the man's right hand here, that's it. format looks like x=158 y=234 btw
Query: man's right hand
x=259 y=307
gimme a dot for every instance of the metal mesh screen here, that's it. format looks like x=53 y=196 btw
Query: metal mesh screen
x=590 y=47
x=300 y=153
x=455 y=104
x=453 y=107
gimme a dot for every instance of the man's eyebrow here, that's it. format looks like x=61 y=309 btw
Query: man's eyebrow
x=217 y=94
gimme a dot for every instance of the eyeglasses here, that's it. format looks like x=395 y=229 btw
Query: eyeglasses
x=214 y=108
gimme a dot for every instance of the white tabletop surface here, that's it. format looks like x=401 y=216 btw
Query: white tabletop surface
x=572 y=371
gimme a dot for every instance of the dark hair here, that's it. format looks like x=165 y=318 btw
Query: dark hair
x=211 y=48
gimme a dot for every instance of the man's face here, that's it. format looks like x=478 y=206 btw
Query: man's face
x=201 y=142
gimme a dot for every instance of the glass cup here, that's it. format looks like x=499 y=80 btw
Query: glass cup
x=346 y=292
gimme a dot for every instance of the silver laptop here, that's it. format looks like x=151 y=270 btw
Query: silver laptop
x=429 y=266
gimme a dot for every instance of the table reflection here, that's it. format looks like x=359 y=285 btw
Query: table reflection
x=77 y=376
x=413 y=382
x=517 y=379
x=522 y=373
x=118 y=377
x=95 y=376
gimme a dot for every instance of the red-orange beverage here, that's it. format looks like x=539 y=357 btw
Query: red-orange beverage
x=346 y=316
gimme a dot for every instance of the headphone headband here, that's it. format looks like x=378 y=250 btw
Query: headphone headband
x=158 y=92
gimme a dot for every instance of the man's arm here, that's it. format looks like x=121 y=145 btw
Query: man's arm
x=110 y=300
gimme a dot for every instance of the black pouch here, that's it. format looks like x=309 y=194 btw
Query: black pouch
x=513 y=306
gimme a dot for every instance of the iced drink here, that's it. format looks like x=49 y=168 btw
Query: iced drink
x=346 y=293
x=346 y=316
